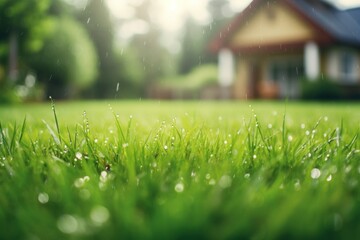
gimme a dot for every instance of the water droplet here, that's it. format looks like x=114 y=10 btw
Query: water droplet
x=247 y=175
x=307 y=132
x=79 y=182
x=270 y=126
x=212 y=182
x=302 y=126
x=43 y=197
x=88 y=21
x=290 y=138
x=254 y=157
x=329 y=178
x=208 y=176
x=67 y=224
x=103 y=176
x=225 y=181
x=78 y=155
x=179 y=187
x=166 y=147
x=117 y=87
x=225 y=142
x=315 y=173
x=99 y=215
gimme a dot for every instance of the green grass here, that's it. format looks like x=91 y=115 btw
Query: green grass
x=180 y=170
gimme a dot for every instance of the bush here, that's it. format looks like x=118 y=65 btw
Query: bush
x=320 y=89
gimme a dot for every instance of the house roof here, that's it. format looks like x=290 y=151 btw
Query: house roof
x=341 y=26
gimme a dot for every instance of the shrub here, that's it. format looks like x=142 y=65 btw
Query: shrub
x=320 y=89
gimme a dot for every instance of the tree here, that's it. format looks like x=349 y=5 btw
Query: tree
x=97 y=21
x=155 y=60
x=192 y=46
x=68 y=61
x=23 y=25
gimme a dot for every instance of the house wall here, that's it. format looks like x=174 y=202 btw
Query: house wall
x=265 y=87
x=272 y=24
x=241 y=79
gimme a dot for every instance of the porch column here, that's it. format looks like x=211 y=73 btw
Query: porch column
x=312 y=61
x=225 y=71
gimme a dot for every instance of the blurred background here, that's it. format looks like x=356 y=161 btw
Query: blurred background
x=97 y=49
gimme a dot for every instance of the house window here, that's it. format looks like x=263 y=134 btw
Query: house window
x=289 y=70
x=348 y=67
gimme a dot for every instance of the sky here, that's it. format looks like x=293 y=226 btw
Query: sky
x=169 y=15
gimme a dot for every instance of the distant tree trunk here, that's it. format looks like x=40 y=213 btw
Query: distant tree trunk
x=13 y=57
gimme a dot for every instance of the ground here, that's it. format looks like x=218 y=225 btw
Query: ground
x=175 y=170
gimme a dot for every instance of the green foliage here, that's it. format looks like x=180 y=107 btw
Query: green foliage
x=320 y=89
x=68 y=59
x=179 y=171
x=198 y=78
x=27 y=18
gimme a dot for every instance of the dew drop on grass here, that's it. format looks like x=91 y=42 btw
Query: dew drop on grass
x=302 y=126
x=84 y=194
x=166 y=147
x=78 y=155
x=315 y=173
x=78 y=183
x=254 y=157
x=99 y=215
x=68 y=224
x=290 y=138
x=225 y=181
x=208 y=176
x=247 y=175
x=329 y=178
x=179 y=187
x=212 y=182
x=270 y=126
x=43 y=198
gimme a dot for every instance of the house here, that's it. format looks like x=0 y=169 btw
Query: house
x=275 y=44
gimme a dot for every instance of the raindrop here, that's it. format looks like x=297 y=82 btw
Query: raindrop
x=79 y=182
x=67 y=224
x=117 y=87
x=43 y=197
x=84 y=194
x=78 y=155
x=212 y=182
x=88 y=21
x=225 y=181
x=329 y=178
x=99 y=215
x=315 y=173
x=179 y=187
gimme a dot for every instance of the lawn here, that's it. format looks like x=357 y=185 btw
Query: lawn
x=180 y=170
